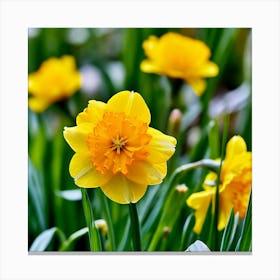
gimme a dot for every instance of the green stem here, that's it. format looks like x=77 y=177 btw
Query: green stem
x=216 y=215
x=135 y=227
x=108 y=218
x=180 y=171
x=94 y=239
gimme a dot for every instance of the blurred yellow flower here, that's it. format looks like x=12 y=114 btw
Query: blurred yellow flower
x=234 y=189
x=178 y=56
x=116 y=150
x=55 y=80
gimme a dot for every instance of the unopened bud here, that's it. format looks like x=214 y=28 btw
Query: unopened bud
x=174 y=123
x=165 y=232
x=182 y=188
x=102 y=226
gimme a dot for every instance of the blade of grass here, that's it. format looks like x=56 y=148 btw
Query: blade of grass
x=216 y=214
x=43 y=240
x=66 y=245
x=229 y=232
x=171 y=210
x=187 y=229
x=94 y=238
x=108 y=218
x=36 y=196
x=213 y=139
x=245 y=240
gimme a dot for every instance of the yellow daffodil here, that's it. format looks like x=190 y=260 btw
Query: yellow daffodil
x=116 y=150
x=178 y=56
x=55 y=80
x=234 y=189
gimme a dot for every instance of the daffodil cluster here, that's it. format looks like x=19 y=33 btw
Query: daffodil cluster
x=234 y=188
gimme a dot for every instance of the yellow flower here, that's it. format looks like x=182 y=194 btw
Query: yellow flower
x=234 y=189
x=116 y=150
x=55 y=80
x=178 y=56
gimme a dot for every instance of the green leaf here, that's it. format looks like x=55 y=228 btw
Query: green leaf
x=245 y=240
x=108 y=217
x=198 y=246
x=229 y=232
x=71 y=195
x=187 y=230
x=94 y=238
x=171 y=211
x=43 y=240
x=213 y=138
x=36 y=202
x=73 y=238
x=217 y=200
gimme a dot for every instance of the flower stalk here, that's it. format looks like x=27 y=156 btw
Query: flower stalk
x=135 y=227
x=216 y=215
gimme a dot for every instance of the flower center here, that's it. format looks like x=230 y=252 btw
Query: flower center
x=116 y=142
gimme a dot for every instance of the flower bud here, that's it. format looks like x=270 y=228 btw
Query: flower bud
x=101 y=225
x=174 y=123
x=182 y=188
x=166 y=231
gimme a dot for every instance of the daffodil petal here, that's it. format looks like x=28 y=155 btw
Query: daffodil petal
x=143 y=172
x=150 y=45
x=33 y=84
x=225 y=207
x=161 y=146
x=210 y=69
x=93 y=113
x=122 y=190
x=68 y=61
x=131 y=103
x=38 y=104
x=236 y=145
x=200 y=202
x=148 y=66
x=198 y=85
x=76 y=137
x=84 y=174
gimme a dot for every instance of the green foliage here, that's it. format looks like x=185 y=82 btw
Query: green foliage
x=57 y=208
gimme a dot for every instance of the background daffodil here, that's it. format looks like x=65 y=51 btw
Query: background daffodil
x=234 y=189
x=55 y=80
x=178 y=56
x=116 y=150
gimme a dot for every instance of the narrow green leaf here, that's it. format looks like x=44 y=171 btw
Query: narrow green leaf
x=73 y=238
x=229 y=232
x=125 y=241
x=36 y=196
x=245 y=240
x=171 y=210
x=94 y=238
x=187 y=230
x=43 y=240
x=108 y=217
x=213 y=138
x=217 y=202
